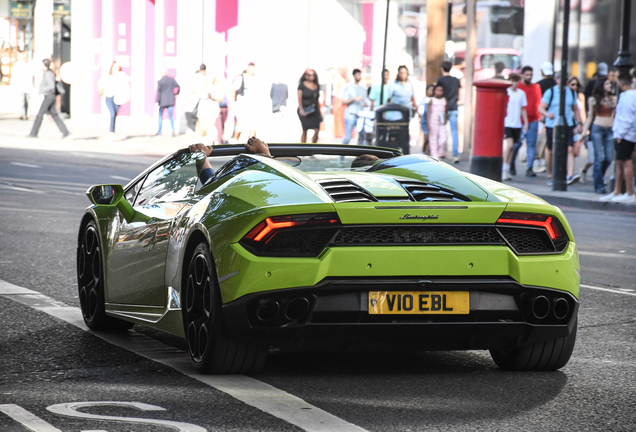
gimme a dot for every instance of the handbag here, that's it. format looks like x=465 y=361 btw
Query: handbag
x=59 y=88
x=310 y=109
x=195 y=111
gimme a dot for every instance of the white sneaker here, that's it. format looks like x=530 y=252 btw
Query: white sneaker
x=505 y=175
x=626 y=199
x=538 y=166
x=583 y=176
x=617 y=198
x=608 y=197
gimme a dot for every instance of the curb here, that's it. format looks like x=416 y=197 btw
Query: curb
x=564 y=201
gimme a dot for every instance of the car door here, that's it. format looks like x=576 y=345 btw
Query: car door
x=136 y=268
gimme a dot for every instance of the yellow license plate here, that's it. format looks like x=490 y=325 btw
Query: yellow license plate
x=418 y=302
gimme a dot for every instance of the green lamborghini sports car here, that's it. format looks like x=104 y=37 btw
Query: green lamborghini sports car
x=329 y=248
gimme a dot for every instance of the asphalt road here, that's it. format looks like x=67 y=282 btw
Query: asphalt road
x=46 y=362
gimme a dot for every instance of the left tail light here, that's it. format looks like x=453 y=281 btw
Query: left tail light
x=532 y=233
x=304 y=235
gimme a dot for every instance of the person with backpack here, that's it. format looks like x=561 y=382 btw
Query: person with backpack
x=550 y=109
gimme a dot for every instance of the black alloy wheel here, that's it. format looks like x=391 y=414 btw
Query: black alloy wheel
x=210 y=349
x=90 y=283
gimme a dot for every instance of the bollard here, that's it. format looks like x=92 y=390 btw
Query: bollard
x=490 y=112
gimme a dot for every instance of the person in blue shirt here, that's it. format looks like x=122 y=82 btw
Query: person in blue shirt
x=401 y=91
x=550 y=109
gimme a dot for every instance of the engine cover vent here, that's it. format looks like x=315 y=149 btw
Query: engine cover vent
x=420 y=191
x=342 y=190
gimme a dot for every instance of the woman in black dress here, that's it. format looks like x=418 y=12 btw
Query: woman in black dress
x=308 y=106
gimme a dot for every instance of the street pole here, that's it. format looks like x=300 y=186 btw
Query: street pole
x=386 y=32
x=623 y=62
x=469 y=70
x=560 y=159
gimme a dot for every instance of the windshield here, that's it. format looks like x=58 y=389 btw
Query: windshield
x=510 y=61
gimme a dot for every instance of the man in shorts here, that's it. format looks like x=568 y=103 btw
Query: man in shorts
x=517 y=103
x=624 y=130
x=550 y=109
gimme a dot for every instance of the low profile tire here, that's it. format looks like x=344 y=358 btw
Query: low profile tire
x=211 y=351
x=90 y=283
x=539 y=356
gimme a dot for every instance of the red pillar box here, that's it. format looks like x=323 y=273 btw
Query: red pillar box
x=490 y=111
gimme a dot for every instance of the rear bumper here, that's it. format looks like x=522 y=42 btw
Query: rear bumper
x=336 y=316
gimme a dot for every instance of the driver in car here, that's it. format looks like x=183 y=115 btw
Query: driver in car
x=253 y=145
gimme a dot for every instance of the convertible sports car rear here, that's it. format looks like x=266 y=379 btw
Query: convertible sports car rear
x=328 y=247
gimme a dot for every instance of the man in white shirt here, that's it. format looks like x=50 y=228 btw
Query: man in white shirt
x=22 y=80
x=517 y=103
x=624 y=130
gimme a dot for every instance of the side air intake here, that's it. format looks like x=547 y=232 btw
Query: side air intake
x=341 y=190
x=420 y=191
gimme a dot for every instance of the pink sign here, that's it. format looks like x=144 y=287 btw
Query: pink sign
x=226 y=15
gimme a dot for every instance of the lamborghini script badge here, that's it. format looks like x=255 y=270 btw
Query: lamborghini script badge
x=408 y=216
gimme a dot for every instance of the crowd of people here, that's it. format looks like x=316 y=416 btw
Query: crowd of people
x=601 y=117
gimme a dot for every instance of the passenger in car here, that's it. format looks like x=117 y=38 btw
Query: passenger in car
x=206 y=172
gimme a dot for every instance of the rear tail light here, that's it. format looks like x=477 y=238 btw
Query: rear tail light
x=293 y=235
x=546 y=235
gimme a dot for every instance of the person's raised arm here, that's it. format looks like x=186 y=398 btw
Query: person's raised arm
x=257 y=146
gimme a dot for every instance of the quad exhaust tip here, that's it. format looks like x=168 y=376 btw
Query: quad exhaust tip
x=540 y=307
x=267 y=311
x=297 y=309
x=561 y=308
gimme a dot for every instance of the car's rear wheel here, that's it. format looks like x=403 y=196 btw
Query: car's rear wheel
x=211 y=350
x=90 y=283
x=539 y=356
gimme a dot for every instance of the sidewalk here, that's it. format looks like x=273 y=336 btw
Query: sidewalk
x=91 y=135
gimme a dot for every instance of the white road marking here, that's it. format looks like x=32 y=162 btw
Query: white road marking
x=27 y=419
x=119 y=178
x=616 y=291
x=20 y=189
x=72 y=410
x=25 y=165
x=265 y=397
x=47 y=182
x=32 y=210
x=607 y=254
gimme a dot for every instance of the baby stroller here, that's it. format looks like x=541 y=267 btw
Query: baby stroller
x=365 y=127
